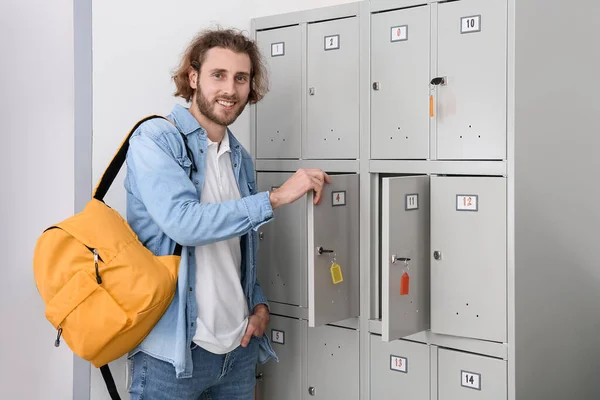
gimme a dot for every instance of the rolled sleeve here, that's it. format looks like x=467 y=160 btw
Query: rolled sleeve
x=259 y=209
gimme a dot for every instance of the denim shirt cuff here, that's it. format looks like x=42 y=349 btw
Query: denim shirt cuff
x=259 y=209
x=258 y=297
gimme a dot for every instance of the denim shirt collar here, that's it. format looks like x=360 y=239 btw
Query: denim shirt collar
x=187 y=124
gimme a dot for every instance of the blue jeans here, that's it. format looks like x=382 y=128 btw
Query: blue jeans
x=229 y=376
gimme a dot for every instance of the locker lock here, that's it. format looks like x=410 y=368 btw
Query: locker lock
x=376 y=86
x=259 y=377
x=396 y=259
x=261 y=235
x=311 y=391
x=441 y=80
x=437 y=255
x=321 y=250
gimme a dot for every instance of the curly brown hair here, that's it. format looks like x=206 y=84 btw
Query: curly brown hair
x=229 y=39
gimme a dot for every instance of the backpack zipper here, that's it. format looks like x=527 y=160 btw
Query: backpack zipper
x=57 y=341
x=98 y=279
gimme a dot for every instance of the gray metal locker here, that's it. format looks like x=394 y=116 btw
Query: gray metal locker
x=333 y=252
x=405 y=256
x=468 y=257
x=467 y=376
x=399 y=370
x=281 y=268
x=333 y=88
x=284 y=380
x=279 y=113
x=471 y=104
x=333 y=363
x=400 y=54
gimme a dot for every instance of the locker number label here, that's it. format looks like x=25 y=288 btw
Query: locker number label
x=277 y=49
x=277 y=336
x=399 y=33
x=470 y=24
x=338 y=198
x=399 y=364
x=332 y=42
x=470 y=380
x=412 y=202
x=467 y=202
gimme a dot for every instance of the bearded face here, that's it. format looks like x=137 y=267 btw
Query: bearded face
x=223 y=85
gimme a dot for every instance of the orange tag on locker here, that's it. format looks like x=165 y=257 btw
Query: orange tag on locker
x=404 y=284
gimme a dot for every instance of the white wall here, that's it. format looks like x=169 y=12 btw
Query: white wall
x=136 y=45
x=37 y=180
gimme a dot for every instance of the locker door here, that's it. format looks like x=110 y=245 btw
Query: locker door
x=400 y=84
x=399 y=370
x=333 y=363
x=333 y=78
x=468 y=257
x=279 y=113
x=405 y=255
x=284 y=380
x=470 y=377
x=281 y=260
x=333 y=252
x=472 y=51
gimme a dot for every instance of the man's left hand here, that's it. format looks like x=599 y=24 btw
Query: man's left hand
x=257 y=324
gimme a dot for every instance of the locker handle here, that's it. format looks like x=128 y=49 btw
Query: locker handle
x=401 y=259
x=321 y=250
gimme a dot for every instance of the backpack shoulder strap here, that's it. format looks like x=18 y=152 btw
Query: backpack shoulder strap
x=117 y=162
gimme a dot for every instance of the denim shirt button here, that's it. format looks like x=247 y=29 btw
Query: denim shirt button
x=201 y=151
x=196 y=182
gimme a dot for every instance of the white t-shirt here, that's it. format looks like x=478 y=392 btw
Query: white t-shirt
x=222 y=307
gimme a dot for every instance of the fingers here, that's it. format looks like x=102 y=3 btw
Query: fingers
x=248 y=335
x=318 y=188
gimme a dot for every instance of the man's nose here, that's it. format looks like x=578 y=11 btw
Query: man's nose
x=229 y=86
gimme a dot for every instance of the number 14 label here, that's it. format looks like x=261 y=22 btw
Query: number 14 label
x=470 y=380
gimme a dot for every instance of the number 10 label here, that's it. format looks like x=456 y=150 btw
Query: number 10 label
x=470 y=24
x=470 y=380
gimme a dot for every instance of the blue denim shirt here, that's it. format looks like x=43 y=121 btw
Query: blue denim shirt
x=164 y=208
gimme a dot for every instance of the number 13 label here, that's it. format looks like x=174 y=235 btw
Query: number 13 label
x=467 y=202
x=470 y=380
x=398 y=364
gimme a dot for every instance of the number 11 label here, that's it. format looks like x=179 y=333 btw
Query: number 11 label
x=470 y=380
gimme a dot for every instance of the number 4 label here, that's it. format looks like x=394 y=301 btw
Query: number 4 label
x=277 y=336
x=470 y=380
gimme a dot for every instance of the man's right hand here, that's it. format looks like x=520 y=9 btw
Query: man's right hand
x=298 y=185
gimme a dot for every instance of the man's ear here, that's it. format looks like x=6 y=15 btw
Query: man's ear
x=193 y=77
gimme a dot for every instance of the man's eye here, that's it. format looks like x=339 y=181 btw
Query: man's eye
x=217 y=75
x=242 y=78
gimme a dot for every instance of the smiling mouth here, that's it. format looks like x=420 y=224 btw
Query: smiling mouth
x=227 y=104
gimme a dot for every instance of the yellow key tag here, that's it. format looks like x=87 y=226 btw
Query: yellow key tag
x=336 y=273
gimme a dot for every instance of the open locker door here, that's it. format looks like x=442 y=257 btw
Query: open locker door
x=405 y=256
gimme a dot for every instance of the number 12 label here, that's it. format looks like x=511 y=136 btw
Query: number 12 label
x=470 y=380
x=467 y=202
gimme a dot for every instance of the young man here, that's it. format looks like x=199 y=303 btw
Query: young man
x=210 y=339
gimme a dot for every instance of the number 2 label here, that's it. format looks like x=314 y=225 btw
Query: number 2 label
x=332 y=42
x=470 y=380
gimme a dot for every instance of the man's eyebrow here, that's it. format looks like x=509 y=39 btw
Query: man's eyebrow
x=223 y=70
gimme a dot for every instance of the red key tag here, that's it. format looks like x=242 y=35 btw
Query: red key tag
x=404 y=284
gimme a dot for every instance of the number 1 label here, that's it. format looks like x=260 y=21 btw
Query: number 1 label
x=332 y=42
x=470 y=380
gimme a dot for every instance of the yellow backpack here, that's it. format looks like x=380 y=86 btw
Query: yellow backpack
x=104 y=291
